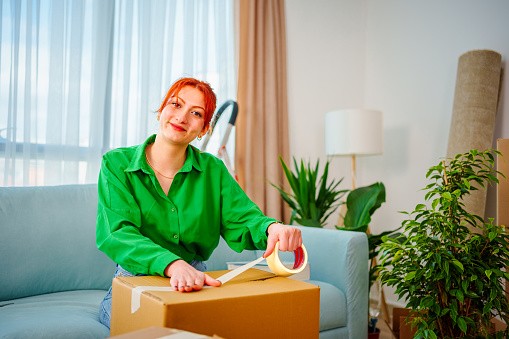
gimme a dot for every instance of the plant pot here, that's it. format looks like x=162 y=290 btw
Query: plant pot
x=374 y=335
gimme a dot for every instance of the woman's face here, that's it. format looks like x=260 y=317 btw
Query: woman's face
x=182 y=119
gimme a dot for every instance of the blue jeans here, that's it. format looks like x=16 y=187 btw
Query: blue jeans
x=105 y=308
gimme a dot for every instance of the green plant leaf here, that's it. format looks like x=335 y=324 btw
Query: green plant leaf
x=420 y=207
x=292 y=179
x=303 y=186
x=308 y=222
x=492 y=235
x=487 y=308
x=410 y=275
x=462 y=325
x=458 y=264
x=460 y=296
x=464 y=285
x=447 y=195
x=493 y=294
x=362 y=203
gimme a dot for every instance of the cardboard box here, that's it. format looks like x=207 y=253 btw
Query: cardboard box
x=497 y=325
x=304 y=275
x=405 y=331
x=401 y=329
x=255 y=304
x=503 y=186
x=156 y=332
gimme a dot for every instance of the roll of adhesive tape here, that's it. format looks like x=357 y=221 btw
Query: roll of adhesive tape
x=277 y=267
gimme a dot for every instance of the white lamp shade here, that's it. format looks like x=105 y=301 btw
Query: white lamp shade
x=353 y=132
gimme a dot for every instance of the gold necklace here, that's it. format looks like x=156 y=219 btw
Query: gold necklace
x=148 y=162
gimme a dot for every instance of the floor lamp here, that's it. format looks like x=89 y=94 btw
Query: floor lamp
x=352 y=132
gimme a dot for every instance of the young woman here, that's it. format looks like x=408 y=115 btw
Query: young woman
x=164 y=204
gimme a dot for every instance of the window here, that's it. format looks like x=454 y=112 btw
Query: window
x=80 y=77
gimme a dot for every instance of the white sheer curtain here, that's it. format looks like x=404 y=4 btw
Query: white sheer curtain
x=80 y=77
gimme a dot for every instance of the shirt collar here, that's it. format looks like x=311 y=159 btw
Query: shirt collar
x=192 y=160
x=139 y=161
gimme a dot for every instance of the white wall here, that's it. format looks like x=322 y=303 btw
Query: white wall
x=399 y=57
x=326 y=51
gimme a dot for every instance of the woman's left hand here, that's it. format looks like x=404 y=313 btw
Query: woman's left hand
x=289 y=238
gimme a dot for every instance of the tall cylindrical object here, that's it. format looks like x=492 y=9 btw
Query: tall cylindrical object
x=475 y=107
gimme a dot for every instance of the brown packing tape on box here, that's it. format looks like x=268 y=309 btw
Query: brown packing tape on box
x=255 y=304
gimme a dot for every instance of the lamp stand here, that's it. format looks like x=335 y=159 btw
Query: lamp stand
x=381 y=296
x=353 y=171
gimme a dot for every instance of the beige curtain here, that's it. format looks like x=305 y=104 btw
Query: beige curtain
x=262 y=124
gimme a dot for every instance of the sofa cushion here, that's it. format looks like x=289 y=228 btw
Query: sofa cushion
x=332 y=306
x=48 y=238
x=73 y=314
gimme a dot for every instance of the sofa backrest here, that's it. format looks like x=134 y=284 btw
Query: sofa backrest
x=47 y=241
x=223 y=254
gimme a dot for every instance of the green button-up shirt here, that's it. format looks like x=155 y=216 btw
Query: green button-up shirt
x=143 y=230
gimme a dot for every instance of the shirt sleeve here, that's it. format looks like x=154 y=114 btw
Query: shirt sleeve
x=243 y=225
x=118 y=226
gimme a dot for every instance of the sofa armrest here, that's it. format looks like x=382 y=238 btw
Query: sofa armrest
x=340 y=258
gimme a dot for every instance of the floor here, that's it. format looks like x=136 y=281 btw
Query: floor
x=385 y=331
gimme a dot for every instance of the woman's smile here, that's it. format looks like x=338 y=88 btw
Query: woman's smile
x=177 y=128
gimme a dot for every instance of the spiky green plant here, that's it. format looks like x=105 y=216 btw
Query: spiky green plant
x=310 y=207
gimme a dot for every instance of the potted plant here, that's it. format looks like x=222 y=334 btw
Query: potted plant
x=361 y=204
x=450 y=276
x=310 y=207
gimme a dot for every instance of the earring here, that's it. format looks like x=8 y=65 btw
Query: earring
x=199 y=138
x=158 y=117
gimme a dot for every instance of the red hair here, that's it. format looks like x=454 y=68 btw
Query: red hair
x=208 y=95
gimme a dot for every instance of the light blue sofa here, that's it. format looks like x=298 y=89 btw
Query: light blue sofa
x=53 y=278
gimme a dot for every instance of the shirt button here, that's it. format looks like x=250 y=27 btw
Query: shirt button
x=176 y=236
x=173 y=209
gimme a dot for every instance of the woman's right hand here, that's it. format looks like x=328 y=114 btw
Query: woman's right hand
x=186 y=278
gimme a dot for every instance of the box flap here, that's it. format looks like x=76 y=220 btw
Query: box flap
x=251 y=282
x=157 y=332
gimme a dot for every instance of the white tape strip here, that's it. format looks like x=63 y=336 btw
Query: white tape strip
x=232 y=274
x=274 y=262
x=136 y=294
x=137 y=291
